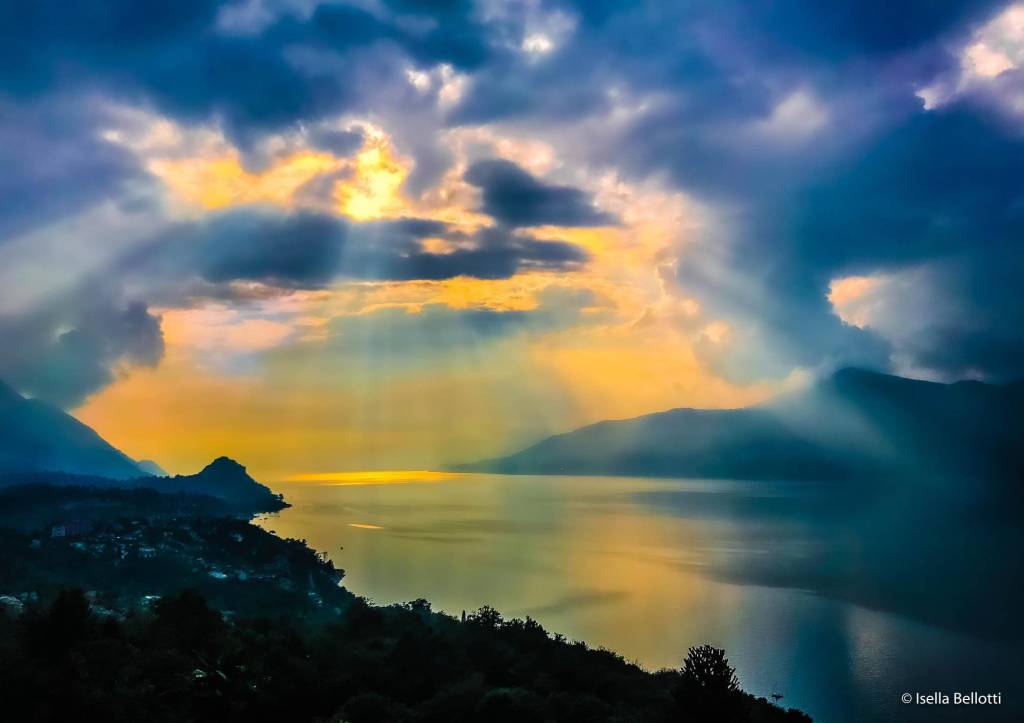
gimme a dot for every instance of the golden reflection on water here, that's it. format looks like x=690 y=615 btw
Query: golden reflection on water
x=577 y=553
x=374 y=477
x=596 y=560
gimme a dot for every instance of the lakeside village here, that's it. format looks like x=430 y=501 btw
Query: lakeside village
x=127 y=548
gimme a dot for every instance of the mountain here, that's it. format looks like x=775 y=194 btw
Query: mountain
x=36 y=437
x=853 y=424
x=150 y=467
x=223 y=479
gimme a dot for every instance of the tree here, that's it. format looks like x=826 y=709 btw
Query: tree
x=67 y=622
x=187 y=622
x=707 y=669
x=708 y=688
x=486 y=617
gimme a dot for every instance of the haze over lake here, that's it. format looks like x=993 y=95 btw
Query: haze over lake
x=648 y=567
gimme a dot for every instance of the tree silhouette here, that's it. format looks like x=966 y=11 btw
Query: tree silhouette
x=707 y=669
x=187 y=622
x=64 y=624
x=181 y=659
x=708 y=688
x=486 y=617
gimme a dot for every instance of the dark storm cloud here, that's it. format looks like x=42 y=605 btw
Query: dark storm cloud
x=941 y=188
x=945 y=181
x=831 y=30
x=305 y=250
x=298 y=250
x=715 y=60
x=53 y=164
x=490 y=261
x=490 y=253
x=862 y=26
x=455 y=35
x=174 y=55
x=514 y=198
x=74 y=346
x=50 y=42
x=511 y=88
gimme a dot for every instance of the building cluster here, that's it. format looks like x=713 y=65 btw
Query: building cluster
x=202 y=547
x=72 y=528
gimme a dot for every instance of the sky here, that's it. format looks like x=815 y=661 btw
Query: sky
x=318 y=236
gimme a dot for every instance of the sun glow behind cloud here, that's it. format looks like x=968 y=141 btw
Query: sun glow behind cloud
x=374 y=190
x=221 y=182
x=285 y=377
x=201 y=168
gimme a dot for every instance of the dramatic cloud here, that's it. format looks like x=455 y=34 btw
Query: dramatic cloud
x=308 y=250
x=858 y=27
x=943 y=187
x=252 y=77
x=515 y=198
x=74 y=347
x=935 y=316
x=813 y=144
x=55 y=164
x=877 y=182
x=297 y=250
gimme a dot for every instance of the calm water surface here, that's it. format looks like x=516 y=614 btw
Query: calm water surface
x=647 y=568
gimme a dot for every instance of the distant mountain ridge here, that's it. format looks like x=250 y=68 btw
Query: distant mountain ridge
x=38 y=437
x=853 y=424
x=223 y=479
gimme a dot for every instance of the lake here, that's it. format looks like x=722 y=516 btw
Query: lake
x=649 y=567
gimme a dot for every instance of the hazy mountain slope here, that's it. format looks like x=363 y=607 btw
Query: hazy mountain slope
x=36 y=437
x=150 y=467
x=852 y=424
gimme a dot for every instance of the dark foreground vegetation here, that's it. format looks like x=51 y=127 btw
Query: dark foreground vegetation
x=182 y=661
x=134 y=606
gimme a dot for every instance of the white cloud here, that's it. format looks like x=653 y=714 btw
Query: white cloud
x=798 y=115
x=453 y=85
x=995 y=48
x=904 y=307
x=418 y=79
x=537 y=44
